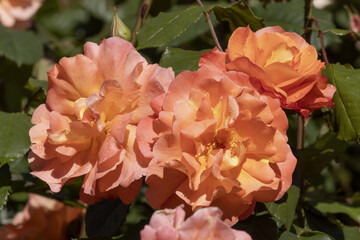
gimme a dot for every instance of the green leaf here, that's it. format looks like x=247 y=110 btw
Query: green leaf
x=200 y=28
x=339 y=32
x=65 y=22
x=308 y=157
x=342 y=32
x=284 y=209
x=19 y=197
x=305 y=236
x=287 y=15
x=238 y=15
x=4 y=194
x=336 y=207
x=14 y=132
x=167 y=26
x=105 y=218
x=351 y=233
x=99 y=9
x=22 y=47
x=35 y=83
x=346 y=99
x=290 y=17
x=288 y=236
x=181 y=60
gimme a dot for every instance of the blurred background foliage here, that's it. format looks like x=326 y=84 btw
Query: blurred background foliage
x=324 y=201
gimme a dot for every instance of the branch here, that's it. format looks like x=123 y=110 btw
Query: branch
x=321 y=37
x=300 y=137
x=27 y=105
x=144 y=10
x=308 y=20
x=212 y=30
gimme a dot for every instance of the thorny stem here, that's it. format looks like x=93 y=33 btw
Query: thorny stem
x=300 y=132
x=308 y=20
x=31 y=99
x=144 y=10
x=307 y=36
x=321 y=37
x=212 y=30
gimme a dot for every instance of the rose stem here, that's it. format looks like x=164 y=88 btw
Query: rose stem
x=211 y=26
x=308 y=20
x=321 y=37
x=307 y=36
x=143 y=12
x=300 y=132
x=31 y=99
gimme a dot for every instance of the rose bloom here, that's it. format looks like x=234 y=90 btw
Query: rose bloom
x=215 y=141
x=88 y=125
x=205 y=224
x=278 y=62
x=17 y=14
x=42 y=218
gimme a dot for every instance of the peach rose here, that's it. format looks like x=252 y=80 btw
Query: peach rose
x=216 y=142
x=88 y=125
x=42 y=218
x=205 y=224
x=281 y=63
x=17 y=14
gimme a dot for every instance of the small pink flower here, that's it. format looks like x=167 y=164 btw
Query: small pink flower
x=204 y=224
x=17 y=14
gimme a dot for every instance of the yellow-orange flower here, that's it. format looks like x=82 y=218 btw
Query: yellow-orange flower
x=18 y=13
x=204 y=224
x=215 y=141
x=88 y=125
x=281 y=63
x=42 y=219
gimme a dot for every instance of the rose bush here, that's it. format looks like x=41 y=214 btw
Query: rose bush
x=42 y=218
x=278 y=62
x=87 y=127
x=215 y=141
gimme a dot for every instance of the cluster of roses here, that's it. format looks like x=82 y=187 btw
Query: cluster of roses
x=211 y=137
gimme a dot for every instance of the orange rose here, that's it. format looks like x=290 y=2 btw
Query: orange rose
x=42 y=218
x=283 y=63
x=18 y=13
x=204 y=224
x=216 y=142
x=87 y=127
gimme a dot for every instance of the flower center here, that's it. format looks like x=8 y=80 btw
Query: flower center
x=232 y=147
x=282 y=54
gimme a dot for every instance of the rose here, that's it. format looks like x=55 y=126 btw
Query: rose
x=42 y=218
x=87 y=127
x=280 y=63
x=204 y=224
x=17 y=14
x=215 y=141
